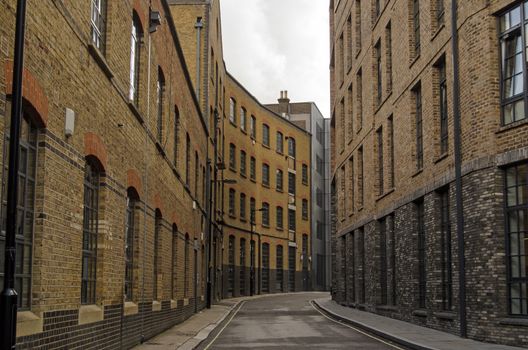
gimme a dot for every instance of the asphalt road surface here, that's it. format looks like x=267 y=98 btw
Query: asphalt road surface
x=287 y=322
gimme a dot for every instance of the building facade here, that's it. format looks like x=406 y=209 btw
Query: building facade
x=307 y=116
x=122 y=179
x=397 y=90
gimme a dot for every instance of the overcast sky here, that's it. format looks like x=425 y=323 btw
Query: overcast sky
x=274 y=45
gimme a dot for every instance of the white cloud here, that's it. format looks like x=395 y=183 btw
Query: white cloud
x=274 y=45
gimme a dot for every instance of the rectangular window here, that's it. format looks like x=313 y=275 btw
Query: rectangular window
x=392 y=233
x=242 y=266
x=279 y=217
x=98 y=24
x=291 y=183
x=279 y=285
x=391 y=151
x=440 y=13
x=342 y=123
x=176 y=136
x=418 y=125
x=188 y=161
x=291 y=268
x=349 y=42
x=358 y=26
x=351 y=187
x=232 y=111
x=157 y=257
x=135 y=55
x=388 y=56
x=253 y=127
x=265 y=214
x=377 y=9
x=339 y=60
x=265 y=175
x=305 y=174
x=422 y=276
x=360 y=177
x=319 y=198
x=232 y=157
x=343 y=192
x=442 y=89
x=363 y=267
x=242 y=206
x=252 y=209
x=319 y=230
x=516 y=198
x=383 y=259
x=350 y=114
x=445 y=241
x=253 y=169
x=381 y=170
x=265 y=135
x=243 y=161
x=319 y=134
x=90 y=234
x=243 y=118
x=232 y=209
x=26 y=209
x=280 y=142
x=130 y=225
x=319 y=165
x=291 y=220
x=160 y=94
x=305 y=209
x=359 y=100
x=279 y=180
x=415 y=4
x=378 y=70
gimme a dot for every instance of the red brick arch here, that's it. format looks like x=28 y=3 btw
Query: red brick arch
x=31 y=91
x=134 y=180
x=158 y=202
x=141 y=14
x=94 y=146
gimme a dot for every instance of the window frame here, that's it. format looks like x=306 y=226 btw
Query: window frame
x=98 y=30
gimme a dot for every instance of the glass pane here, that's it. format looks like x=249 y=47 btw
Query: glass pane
x=522 y=170
x=518 y=85
x=512 y=198
x=2 y=251
x=515 y=266
x=26 y=267
x=24 y=130
x=523 y=266
x=513 y=222
x=505 y=22
x=522 y=192
x=519 y=110
x=523 y=214
x=28 y=227
x=514 y=244
x=22 y=158
x=515 y=16
x=515 y=291
x=508 y=112
x=19 y=258
x=508 y=88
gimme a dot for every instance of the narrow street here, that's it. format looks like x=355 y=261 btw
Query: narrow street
x=287 y=321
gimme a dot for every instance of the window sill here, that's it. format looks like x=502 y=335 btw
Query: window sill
x=243 y=219
x=414 y=60
x=514 y=321
x=28 y=324
x=387 y=308
x=156 y=305
x=233 y=124
x=445 y=315
x=253 y=180
x=130 y=308
x=266 y=185
x=101 y=60
x=381 y=196
x=233 y=169
x=279 y=229
x=265 y=226
x=417 y=172
x=243 y=131
x=513 y=125
x=280 y=152
x=437 y=31
x=420 y=313
x=441 y=157
x=243 y=175
x=90 y=314
x=232 y=216
x=305 y=183
x=160 y=148
x=136 y=112
x=279 y=190
x=266 y=146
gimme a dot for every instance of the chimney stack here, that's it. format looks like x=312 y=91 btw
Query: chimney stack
x=284 y=103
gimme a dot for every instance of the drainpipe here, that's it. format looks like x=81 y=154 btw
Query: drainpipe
x=8 y=297
x=458 y=174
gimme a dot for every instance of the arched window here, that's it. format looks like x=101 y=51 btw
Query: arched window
x=265 y=135
x=280 y=142
x=279 y=267
x=291 y=147
x=157 y=246
x=130 y=233
x=174 y=250
x=186 y=266
x=135 y=54
x=265 y=267
x=176 y=134
x=231 y=261
x=160 y=98
x=26 y=208
x=92 y=173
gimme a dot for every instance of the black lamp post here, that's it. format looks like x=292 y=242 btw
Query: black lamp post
x=9 y=298
x=252 y=247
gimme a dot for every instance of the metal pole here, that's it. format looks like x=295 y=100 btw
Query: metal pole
x=9 y=298
x=252 y=257
x=458 y=174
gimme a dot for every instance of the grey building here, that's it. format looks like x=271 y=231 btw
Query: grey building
x=309 y=117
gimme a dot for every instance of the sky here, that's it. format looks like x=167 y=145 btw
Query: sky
x=274 y=45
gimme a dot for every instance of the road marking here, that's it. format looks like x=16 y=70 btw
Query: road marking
x=227 y=324
x=354 y=328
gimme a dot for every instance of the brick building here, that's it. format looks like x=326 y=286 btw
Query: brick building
x=112 y=245
x=268 y=158
x=395 y=237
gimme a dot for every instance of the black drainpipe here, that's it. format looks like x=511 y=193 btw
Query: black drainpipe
x=458 y=174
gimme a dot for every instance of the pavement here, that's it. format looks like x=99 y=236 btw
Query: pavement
x=403 y=333
x=309 y=320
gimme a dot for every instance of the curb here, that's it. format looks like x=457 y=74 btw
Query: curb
x=364 y=327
